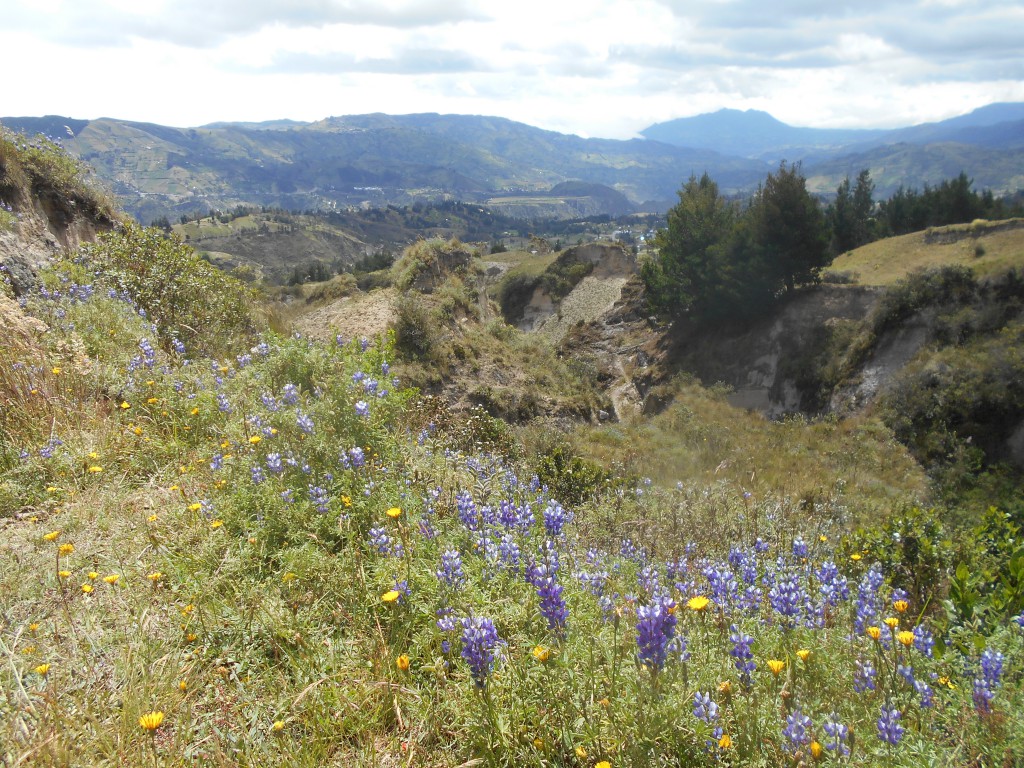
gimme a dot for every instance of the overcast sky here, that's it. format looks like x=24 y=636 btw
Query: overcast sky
x=601 y=68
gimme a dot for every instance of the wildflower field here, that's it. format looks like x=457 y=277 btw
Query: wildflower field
x=222 y=548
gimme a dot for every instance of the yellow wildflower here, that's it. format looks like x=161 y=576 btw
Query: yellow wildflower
x=92 y=575
x=194 y=411
x=51 y=536
x=816 y=750
x=892 y=622
x=776 y=666
x=155 y=576
x=947 y=682
x=95 y=469
x=278 y=726
x=33 y=627
x=43 y=669
x=603 y=764
x=725 y=687
x=803 y=654
x=402 y=662
x=698 y=603
x=216 y=523
x=541 y=653
x=855 y=556
x=125 y=405
x=153 y=518
x=900 y=606
x=182 y=686
x=151 y=720
x=195 y=507
x=391 y=596
x=581 y=753
x=725 y=742
x=289 y=576
x=394 y=513
x=55 y=370
x=346 y=500
x=66 y=549
x=874 y=633
x=87 y=588
x=112 y=578
x=64 y=574
x=254 y=439
x=905 y=638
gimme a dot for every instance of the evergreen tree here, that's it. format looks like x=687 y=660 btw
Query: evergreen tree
x=789 y=229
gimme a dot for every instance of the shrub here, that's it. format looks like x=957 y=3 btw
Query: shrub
x=186 y=297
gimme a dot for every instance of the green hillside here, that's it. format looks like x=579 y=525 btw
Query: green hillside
x=234 y=546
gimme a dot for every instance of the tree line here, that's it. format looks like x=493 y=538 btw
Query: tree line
x=719 y=259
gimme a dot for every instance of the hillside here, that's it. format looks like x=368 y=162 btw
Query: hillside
x=231 y=546
x=379 y=159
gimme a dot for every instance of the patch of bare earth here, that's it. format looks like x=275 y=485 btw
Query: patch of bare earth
x=361 y=315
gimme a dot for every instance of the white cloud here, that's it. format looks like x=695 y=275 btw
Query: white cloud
x=609 y=68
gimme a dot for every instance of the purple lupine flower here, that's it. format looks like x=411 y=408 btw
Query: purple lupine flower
x=925 y=692
x=274 y=463
x=380 y=540
x=985 y=686
x=223 y=404
x=889 y=729
x=319 y=498
x=832 y=586
x=655 y=628
x=552 y=605
x=742 y=654
x=356 y=457
x=217 y=461
x=864 y=676
x=704 y=708
x=556 y=518
x=797 y=725
x=923 y=640
x=468 y=514
x=787 y=597
x=177 y=346
x=480 y=641
x=269 y=402
x=451 y=573
x=304 y=422
x=256 y=472
x=837 y=735
x=799 y=548
x=290 y=394
x=867 y=597
x=362 y=409
x=509 y=553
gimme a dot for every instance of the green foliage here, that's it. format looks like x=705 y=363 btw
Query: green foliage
x=417 y=329
x=713 y=263
x=850 y=215
x=570 y=477
x=913 y=549
x=514 y=294
x=185 y=296
x=44 y=167
x=688 y=275
x=789 y=229
x=437 y=256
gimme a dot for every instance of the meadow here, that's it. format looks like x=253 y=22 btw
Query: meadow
x=225 y=546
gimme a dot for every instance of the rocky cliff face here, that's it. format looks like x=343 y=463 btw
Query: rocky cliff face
x=45 y=226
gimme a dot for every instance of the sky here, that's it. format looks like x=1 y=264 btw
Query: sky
x=604 y=68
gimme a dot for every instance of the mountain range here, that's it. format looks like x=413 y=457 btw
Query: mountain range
x=380 y=159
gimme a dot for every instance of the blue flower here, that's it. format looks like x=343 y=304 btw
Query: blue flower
x=704 y=708
x=742 y=653
x=480 y=642
x=796 y=728
x=837 y=735
x=655 y=628
x=362 y=409
x=552 y=605
x=889 y=728
x=451 y=573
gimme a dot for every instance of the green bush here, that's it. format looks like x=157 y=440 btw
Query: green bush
x=185 y=296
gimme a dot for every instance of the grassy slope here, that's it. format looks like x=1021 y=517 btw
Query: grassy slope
x=886 y=261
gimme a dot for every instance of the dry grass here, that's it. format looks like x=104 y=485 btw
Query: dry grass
x=886 y=261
